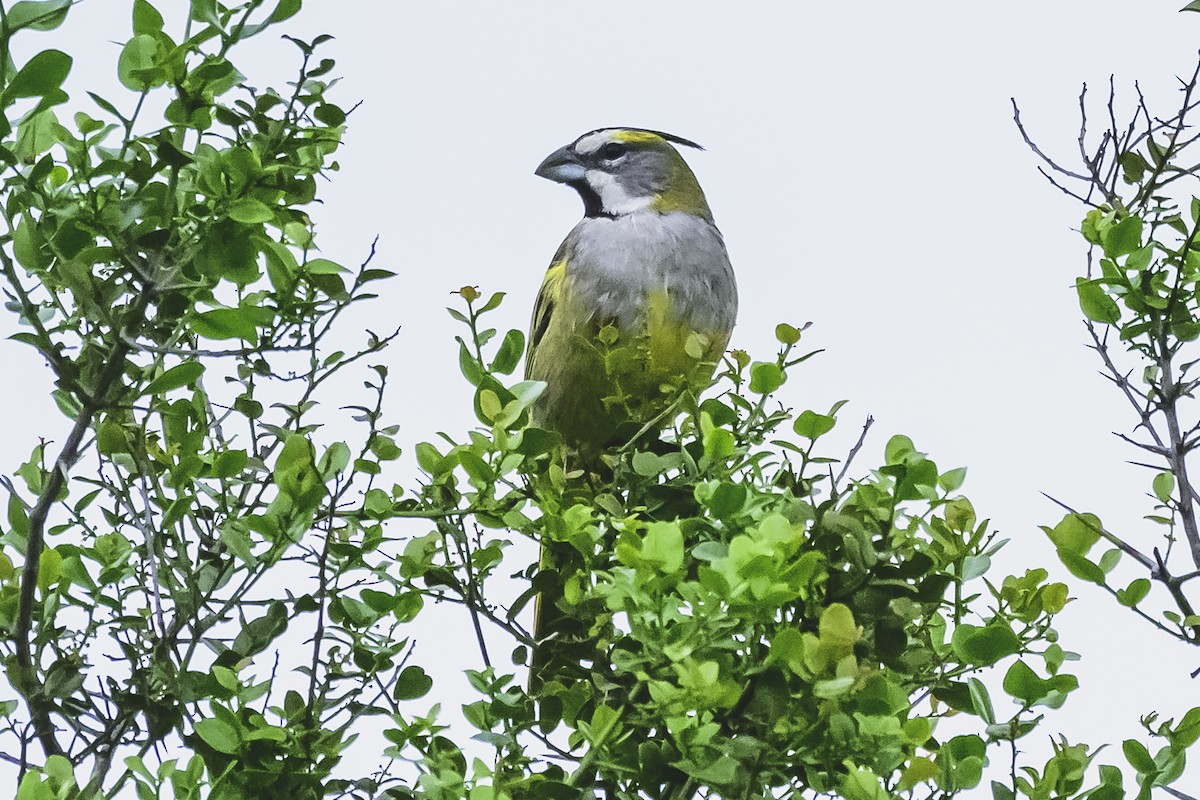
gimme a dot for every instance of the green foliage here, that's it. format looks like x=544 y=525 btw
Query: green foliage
x=1139 y=301
x=734 y=619
x=129 y=597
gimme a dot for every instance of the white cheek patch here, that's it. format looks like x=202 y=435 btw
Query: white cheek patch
x=613 y=197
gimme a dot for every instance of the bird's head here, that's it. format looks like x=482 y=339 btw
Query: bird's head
x=622 y=170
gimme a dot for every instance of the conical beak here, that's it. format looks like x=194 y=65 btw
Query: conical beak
x=562 y=166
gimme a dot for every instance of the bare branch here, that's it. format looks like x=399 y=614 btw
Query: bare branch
x=1037 y=150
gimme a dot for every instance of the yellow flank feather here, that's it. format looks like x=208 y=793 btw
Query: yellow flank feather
x=548 y=295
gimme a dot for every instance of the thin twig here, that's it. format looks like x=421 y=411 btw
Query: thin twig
x=854 y=451
x=196 y=352
x=147 y=526
x=1178 y=795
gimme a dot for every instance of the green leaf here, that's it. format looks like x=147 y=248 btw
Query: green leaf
x=42 y=74
x=1110 y=559
x=863 y=784
x=249 y=211
x=237 y=539
x=49 y=569
x=952 y=480
x=984 y=645
x=1164 y=486
x=492 y=303
x=1192 y=6
x=329 y=114
x=18 y=518
x=646 y=464
x=727 y=499
x=468 y=365
x=430 y=460
x=509 y=353
x=322 y=266
x=229 y=323
x=664 y=545
x=35 y=135
x=60 y=770
x=1187 y=732
x=898 y=449
x=787 y=334
x=258 y=634
x=205 y=11
x=284 y=10
x=229 y=252
x=812 y=425
x=184 y=374
x=335 y=460
x=146 y=18
x=1024 y=684
x=837 y=629
x=29 y=247
x=719 y=443
x=1090 y=227
x=476 y=468
x=218 y=735
x=136 y=66
x=1076 y=533
x=384 y=448
x=765 y=377
x=1185 y=330
x=1081 y=567
x=37 y=16
x=975 y=566
x=1095 y=303
x=412 y=683
x=1122 y=238
x=1133 y=594
x=1139 y=259
x=281 y=263
x=67 y=403
x=230 y=463
x=1133 y=165
x=1138 y=756
x=981 y=700
x=296 y=473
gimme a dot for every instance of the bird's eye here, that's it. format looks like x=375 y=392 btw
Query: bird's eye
x=613 y=150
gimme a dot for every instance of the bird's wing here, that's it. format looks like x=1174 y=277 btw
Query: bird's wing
x=543 y=310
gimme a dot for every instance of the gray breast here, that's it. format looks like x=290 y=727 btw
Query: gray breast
x=614 y=263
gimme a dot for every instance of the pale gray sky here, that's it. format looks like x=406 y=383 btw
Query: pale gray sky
x=863 y=165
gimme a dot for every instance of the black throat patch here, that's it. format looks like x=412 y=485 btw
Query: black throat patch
x=592 y=207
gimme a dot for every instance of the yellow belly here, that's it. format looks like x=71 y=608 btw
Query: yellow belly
x=599 y=377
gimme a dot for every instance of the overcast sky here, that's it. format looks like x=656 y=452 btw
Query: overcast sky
x=863 y=165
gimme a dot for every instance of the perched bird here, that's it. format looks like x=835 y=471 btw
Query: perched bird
x=638 y=303
x=640 y=295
